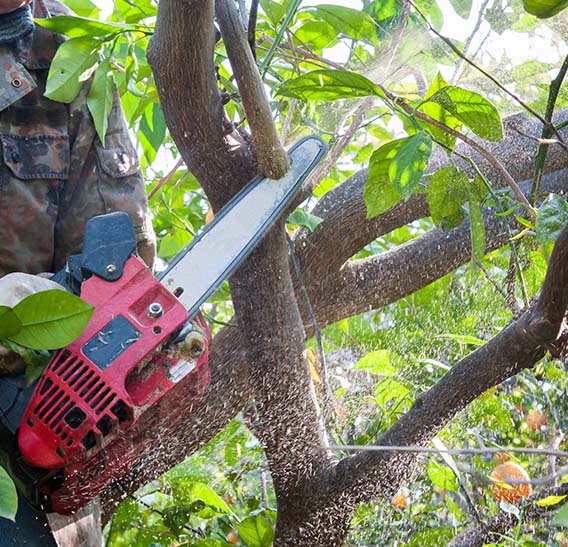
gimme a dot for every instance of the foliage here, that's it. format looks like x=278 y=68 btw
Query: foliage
x=424 y=102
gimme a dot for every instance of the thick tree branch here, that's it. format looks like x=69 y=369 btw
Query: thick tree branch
x=494 y=529
x=377 y=281
x=272 y=159
x=347 y=230
x=182 y=62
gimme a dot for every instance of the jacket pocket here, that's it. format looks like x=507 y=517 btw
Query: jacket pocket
x=33 y=170
x=36 y=157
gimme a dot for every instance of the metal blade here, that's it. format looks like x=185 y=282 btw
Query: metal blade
x=215 y=253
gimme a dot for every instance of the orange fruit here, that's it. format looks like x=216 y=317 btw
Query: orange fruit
x=209 y=216
x=232 y=538
x=400 y=501
x=501 y=457
x=536 y=420
x=508 y=483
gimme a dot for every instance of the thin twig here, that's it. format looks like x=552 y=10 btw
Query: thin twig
x=251 y=31
x=548 y=129
x=324 y=169
x=457 y=51
x=491 y=280
x=165 y=179
x=452 y=451
x=469 y=40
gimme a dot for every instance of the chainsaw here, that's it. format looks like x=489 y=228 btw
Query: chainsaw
x=141 y=363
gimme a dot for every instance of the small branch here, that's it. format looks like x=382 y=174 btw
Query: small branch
x=272 y=159
x=251 y=31
x=165 y=179
x=451 y=45
x=548 y=129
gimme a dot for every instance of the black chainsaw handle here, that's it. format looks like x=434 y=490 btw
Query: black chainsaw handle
x=108 y=243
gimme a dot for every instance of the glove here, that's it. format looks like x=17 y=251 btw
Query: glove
x=15 y=287
x=16 y=24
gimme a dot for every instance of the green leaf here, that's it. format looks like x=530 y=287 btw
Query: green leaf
x=477 y=229
x=380 y=193
x=351 y=22
x=51 y=319
x=436 y=112
x=436 y=16
x=442 y=476
x=550 y=219
x=273 y=10
x=377 y=362
x=447 y=192
x=550 y=500
x=473 y=110
x=256 y=531
x=9 y=322
x=174 y=242
x=407 y=166
x=544 y=8
x=100 y=98
x=389 y=391
x=206 y=543
x=302 y=218
x=316 y=34
x=8 y=496
x=79 y=27
x=329 y=85
x=187 y=492
x=561 y=517
x=153 y=129
x=34 y=371
x=72 y=66
x=84 y=8
x=462 y=7
x=431 y=537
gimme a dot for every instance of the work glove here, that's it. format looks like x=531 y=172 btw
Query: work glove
x=14 y=288
x=17 y=23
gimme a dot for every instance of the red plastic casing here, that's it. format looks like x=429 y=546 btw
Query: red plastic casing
x=89 y=421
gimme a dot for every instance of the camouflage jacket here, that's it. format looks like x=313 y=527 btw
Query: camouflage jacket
x=54 y=172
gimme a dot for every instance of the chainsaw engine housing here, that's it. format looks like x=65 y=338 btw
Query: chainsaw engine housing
x=102 y=399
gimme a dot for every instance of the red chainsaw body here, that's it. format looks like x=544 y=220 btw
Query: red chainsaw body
x=103 y=399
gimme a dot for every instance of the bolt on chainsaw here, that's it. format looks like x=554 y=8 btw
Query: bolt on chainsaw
x=141 y=363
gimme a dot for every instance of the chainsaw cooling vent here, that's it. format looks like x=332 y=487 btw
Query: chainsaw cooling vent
x=70 y=394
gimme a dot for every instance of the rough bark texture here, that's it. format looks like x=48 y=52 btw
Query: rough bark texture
x=260 y=364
